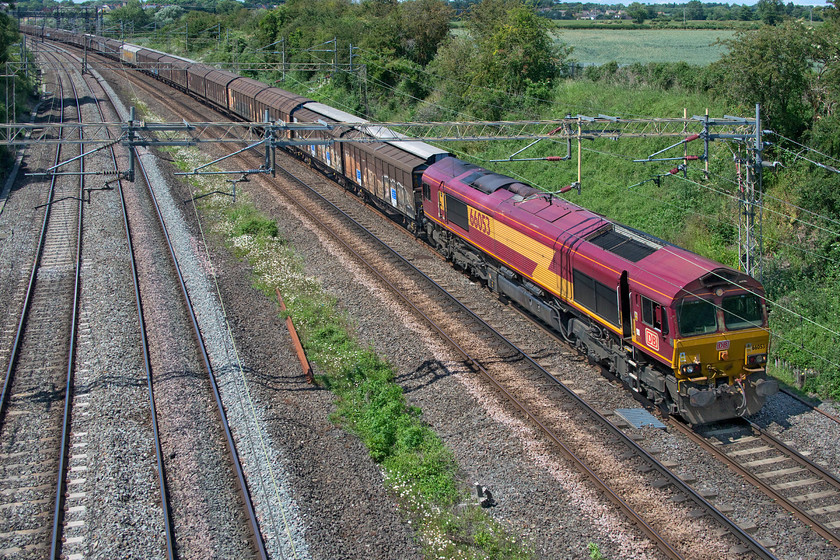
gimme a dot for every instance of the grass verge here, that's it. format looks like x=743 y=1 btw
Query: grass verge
x=416 y=465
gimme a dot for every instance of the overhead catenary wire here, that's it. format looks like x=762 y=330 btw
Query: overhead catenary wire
x=723 y=193
x=788 y=217
x=730 y=196
x=808 y=148
x=405 y=94
x=783 y=201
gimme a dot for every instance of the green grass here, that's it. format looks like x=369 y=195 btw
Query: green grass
x=247 y=221
x=625 y=46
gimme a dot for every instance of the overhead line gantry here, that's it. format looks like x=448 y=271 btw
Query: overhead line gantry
x=270 y=135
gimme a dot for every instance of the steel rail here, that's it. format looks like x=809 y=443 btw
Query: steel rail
x=810 y=405
x=765 y=488
x=739 y=533
x=4 y=396
x=144 y=343
x=745 y=538
x=798 y=458
x=240 y=475
x=58 y=514
x=633 y=516
x=242 y=483
x=732 y=527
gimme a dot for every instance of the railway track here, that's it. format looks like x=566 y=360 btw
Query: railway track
x=235 y=464
x=511 y=358
x=144 y=342
x=24 y=528
x=34 y=433
x=804 y=488
x=633 y=452
x=466 y=332
x=834 y=418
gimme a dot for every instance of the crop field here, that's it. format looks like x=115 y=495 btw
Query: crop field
x=626 y=46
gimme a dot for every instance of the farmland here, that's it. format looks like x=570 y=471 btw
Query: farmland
x=626 y=46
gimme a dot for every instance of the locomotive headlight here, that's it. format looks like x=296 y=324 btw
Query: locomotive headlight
x=756 y=360
x=690 y=369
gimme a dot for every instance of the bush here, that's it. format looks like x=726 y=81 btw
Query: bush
x=247 y=221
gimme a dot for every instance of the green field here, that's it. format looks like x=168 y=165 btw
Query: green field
x=625 y=46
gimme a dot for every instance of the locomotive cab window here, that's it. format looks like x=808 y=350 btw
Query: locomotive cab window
x=427 y=191
x=654 y=315
x=696 y=317
x=743 y=311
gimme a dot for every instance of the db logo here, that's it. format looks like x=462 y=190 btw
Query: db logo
x=723 y=345
x=651 y=340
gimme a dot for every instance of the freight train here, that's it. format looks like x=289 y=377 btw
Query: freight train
x=682 y=330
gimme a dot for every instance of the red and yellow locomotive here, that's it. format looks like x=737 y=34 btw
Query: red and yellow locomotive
x=686 y=331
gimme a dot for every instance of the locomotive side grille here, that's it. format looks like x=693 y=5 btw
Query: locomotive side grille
x=622 y=245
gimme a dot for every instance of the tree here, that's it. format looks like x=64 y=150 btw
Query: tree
x=8 y=35
x=167 y=15
x=425 y=24
x=269 y=26
x=694 y=10
x=131 y=14
x=825 y=84
x=507 y=53
x=772 y=66
x=745 y=13
x=517 y=50
x=637 y=12
x=770 y=12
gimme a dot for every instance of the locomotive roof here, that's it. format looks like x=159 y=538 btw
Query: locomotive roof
x=652 y=263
